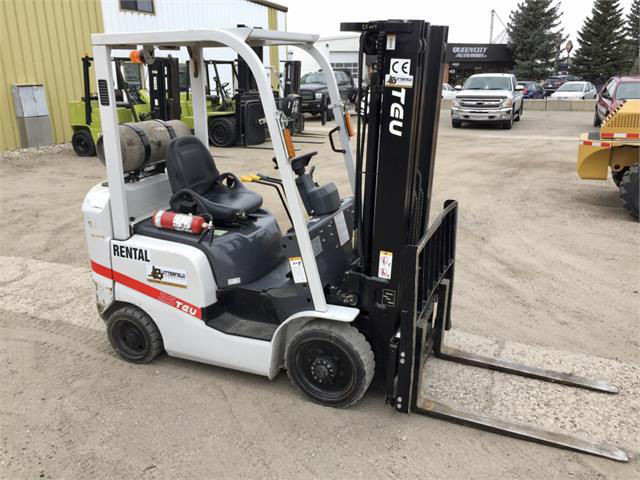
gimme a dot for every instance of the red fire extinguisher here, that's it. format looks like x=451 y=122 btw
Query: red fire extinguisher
x=181 y=222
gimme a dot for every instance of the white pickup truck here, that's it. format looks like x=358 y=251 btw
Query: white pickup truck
x=488 y=98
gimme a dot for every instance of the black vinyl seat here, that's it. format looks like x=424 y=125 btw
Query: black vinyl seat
x=198 y=187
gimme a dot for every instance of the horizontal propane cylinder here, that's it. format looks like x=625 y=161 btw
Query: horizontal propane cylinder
x=144 y=143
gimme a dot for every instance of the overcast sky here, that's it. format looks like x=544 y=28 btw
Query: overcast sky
x=468 y=20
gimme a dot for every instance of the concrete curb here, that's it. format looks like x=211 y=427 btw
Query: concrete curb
x=548 y=104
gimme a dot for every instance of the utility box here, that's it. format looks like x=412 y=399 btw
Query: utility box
x=32 y=115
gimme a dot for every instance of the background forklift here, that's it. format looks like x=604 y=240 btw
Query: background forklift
x=84 y=115
x=615 y=147
x=186 y=260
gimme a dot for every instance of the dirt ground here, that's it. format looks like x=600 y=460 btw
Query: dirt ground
x=548 y=273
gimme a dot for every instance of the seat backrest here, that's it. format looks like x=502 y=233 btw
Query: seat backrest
x=190 y=165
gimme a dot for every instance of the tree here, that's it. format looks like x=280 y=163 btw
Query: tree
x=633 y=37
x=602 y=47
x=535 y=38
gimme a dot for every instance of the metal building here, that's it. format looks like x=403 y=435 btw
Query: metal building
x=42 y=41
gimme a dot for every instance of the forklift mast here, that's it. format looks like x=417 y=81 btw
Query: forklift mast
x=292 y=74
x=164 y=88
x=397 y=163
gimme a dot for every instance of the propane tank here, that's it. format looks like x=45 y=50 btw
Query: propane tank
x=180 y=222
x=143 y=143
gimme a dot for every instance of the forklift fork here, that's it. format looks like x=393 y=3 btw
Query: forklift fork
x=433 y=261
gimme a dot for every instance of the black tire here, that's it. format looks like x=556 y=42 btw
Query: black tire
x=134 y=335
x=222 y=131
x=630 y=190
x=617 y=176
x=596 y=119
x=508 y=124
x=330 y=363
x=82 y=143
x=520 y=112
x=456 y=123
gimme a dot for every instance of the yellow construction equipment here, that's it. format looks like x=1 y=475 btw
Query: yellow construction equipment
x=617 y=147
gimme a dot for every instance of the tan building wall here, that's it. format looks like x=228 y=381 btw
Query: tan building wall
x=42 y=41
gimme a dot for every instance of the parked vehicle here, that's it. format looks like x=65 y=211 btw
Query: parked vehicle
x=575 y=91
x=488 y=98
x=531 y=89
x=315 y=95
x=551 y=84
x=613 y=94
x=448 y=92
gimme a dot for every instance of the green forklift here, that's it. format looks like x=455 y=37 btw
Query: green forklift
x=133 y=105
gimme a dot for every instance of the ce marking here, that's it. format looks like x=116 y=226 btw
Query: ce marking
x=400 y=66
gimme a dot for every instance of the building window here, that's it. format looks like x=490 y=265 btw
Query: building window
x=142 y=6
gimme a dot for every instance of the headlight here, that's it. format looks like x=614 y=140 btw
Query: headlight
x=506 y=103
x=318 y=95
x=456 y=103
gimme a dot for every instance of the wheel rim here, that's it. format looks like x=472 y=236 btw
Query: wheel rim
x=324 y=370
x=81 y=144
x=130 y=339
x=219 y=133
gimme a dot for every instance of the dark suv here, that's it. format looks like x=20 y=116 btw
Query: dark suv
x=614 y=92
x=551 y=84
x=314 y=92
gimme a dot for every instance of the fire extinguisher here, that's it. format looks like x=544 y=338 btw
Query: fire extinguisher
x=181 y=222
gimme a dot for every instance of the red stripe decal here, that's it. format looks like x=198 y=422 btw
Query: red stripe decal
x=605 y=144
x=606 y=135
x=587 y=143
x=101 y=270
x=148 y=290
x=633 y=135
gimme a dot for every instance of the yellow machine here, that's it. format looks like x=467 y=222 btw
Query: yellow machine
x=617 y=147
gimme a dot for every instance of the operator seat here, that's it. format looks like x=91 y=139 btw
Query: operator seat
x=198 y=187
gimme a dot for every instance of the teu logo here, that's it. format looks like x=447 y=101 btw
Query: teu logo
x=132 y=253
x=397 y=112
x=190 y=309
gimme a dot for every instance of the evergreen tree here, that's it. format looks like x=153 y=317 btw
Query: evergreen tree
x=535 y=38
x=602 y=47
x=633 y=37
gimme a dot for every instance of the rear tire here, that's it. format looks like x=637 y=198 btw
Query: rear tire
x=456 y=123
x=134 y=335
x=82 y=143
x=630 y=190
x=596 y=119
x=617 y=176
x=222 y=131
x=330 y=363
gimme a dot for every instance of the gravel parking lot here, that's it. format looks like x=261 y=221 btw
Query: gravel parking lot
x=547 y=273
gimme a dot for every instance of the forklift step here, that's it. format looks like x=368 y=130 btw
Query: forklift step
x=233 y=325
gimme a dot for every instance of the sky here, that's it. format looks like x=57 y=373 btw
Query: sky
x=468 y=20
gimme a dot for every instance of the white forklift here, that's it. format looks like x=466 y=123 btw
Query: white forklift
x=186 y=260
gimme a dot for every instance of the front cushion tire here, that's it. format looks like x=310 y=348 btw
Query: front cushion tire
x=82 y=143
x=331 y=363
x=134 y=335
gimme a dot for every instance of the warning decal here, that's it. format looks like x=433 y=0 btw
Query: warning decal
x=384 y=264
x=297 y=270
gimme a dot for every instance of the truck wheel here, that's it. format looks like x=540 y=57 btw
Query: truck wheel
x=520 y=112
x=456 y=123
x=134 y=335
x=330 y=363
x=82 y=143
x=508 y=124
x=596 y=119
x=630 y=190
x=222 y=131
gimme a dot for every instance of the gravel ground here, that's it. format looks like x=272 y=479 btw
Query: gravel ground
x=547 y=274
